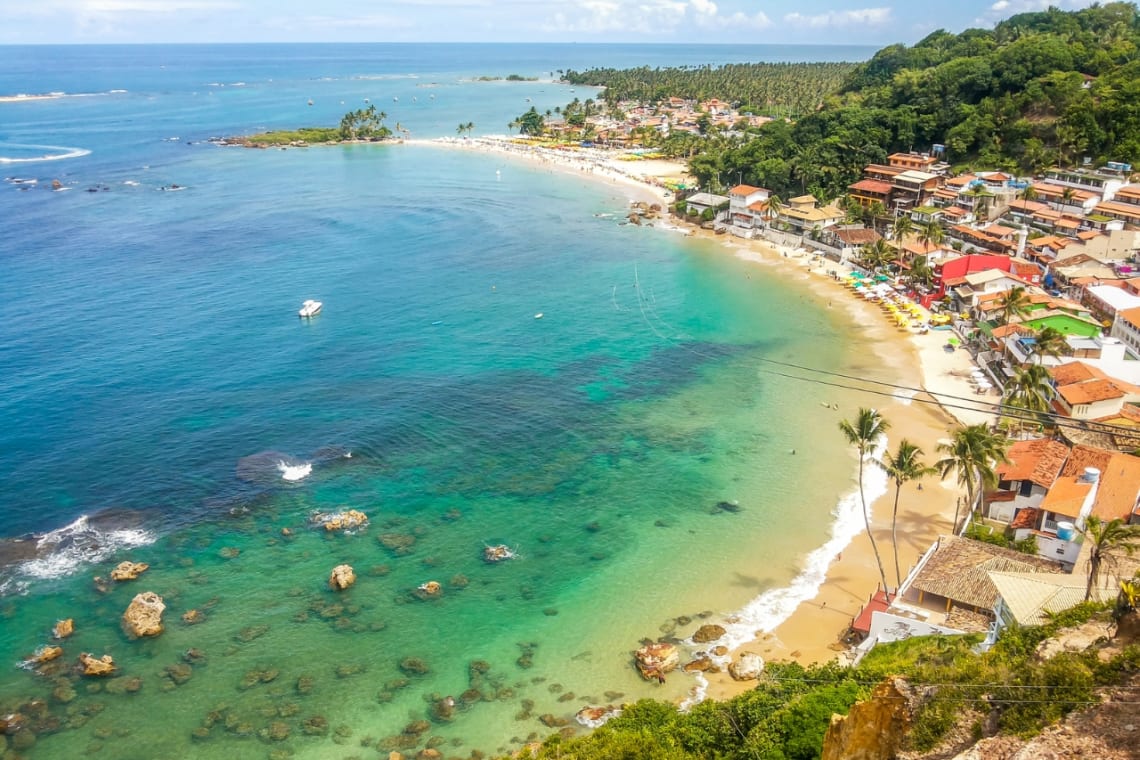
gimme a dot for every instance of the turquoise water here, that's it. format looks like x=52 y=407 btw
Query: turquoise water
x=156 y=374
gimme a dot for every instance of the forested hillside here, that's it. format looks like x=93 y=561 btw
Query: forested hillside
x=1039 y=89
x=784 y=89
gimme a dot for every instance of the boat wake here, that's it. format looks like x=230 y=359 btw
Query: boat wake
x=49 y=153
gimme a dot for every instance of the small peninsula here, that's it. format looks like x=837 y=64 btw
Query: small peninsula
x=361 y=125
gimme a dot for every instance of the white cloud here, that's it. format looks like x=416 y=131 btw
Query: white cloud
x=646 y=17
x=1005 y=8
x=832 y=19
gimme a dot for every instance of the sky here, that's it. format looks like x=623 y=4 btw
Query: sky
x=866 y=22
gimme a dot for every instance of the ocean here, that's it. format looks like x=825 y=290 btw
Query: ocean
x=162 y=402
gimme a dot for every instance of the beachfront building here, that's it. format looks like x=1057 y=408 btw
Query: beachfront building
x=1104 y=182
x=804 y=216
x=950 y=584
x=741 y=200
x=844 y=242
x=1085 y=392
x=699 y=203
x=1026 y=477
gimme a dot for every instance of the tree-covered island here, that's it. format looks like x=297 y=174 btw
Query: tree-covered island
x=363 y=124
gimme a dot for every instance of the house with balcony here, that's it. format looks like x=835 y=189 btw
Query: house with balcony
x=740 y=199
x=1067 y=200
x=1126 y=328
x=1086 y=392
x=698 y=203
x=1127 y=214
x=1103 y=182
x=912 y=189
x=867 y=192
x=1025 y=478
x=803 y=215
x=923 y=162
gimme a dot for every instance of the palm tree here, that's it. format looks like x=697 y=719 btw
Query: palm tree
x=1105 y=539
x=775 y=205
x=931 y=235
x=972 y=454
x=1029 y=193
x=902 y=227
x=921 y=273
x=1030 y=389
x=1050 y=342
x=875 y=254
x=864 y=434
x=904 y=466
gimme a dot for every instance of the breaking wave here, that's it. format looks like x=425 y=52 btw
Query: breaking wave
x=83 y=542
x=19 y=153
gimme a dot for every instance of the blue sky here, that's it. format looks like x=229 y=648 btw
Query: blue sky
x=874 y=22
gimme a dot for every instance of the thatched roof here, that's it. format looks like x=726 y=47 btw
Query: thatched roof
x=959 y=570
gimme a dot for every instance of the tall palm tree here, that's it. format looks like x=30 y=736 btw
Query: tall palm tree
x=1106 y=539
x=904 y=466
x=1013 y=303
x=1029 y=193
x=902 y=227
x=972 y=454
x=1050 y=342
x=864 y=433
x=931 y=235
x=876 y=254
x=1029 y=389
x=775 y=205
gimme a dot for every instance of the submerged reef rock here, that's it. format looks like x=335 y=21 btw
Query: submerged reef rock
x=747 y=668
x=707 y=633
x=96 y=666
x=655 y=660
x=397 y=543
x=193 y=617
x=342 y=577
x=144 y=615
x=63 y=628
x=333 y=521
x=498 y=553
x=128 y=571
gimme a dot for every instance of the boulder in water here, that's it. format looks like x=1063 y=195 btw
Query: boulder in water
x=747 y=668
x=707 y=633
x=45 y=654
x=592 y=717
x=498 y=553
x=429 y=590
x=342 y=577
x=655 y=660
x=144 y=615
x=96 y=666
x=128 y=571
x=336 y=521
x=63 y=628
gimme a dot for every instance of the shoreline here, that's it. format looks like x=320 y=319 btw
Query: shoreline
x=822 y=608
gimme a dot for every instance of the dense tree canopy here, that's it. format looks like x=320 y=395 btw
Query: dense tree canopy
x=1039 y=89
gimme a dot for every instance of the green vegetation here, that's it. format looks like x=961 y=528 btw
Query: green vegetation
x=777 y=89
x=786 y=715
x=361 y=124
x=311 y=135
x=1039 y=89
x=530 y=123
x=986 y=534
x=508 y=78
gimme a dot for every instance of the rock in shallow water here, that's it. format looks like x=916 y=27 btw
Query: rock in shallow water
x=96 y=666
x=342 y=577
x=128 y=571
x=707 y=633
x=144 y=615
x=63 y=628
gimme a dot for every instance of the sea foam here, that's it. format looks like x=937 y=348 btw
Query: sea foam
x=294 y=472
x=63 y=551
x=766 y=612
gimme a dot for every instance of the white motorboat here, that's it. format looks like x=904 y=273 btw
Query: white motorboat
x=310 y=308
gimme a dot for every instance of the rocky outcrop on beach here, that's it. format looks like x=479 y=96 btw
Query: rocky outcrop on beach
x=342 y=577
x=655 y=660
x=144 y=615
x=747 y=668
x=707 y=633
x=593 y=717
x=128 y=571
x=337 y=521
x=63 y=628
x=96 y=666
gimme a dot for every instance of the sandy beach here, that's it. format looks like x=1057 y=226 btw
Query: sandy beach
x=813 y=631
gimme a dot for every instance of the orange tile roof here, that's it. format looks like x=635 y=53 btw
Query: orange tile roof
x=1075 y=372
x=745 y=190
x=955 y=211
x=1028 y=206
x=1039 y=461
x=960 y=181
x=1004 y=330
x=1089 y=234
x=1124 y=209
x=1067 y=223
x=1131 y=316
x=1066 y=496
x=871 y=186
x=1089 y=392
x=1025 y=518
x=1046 y=188
x=1129 y=191
x=1119 y=485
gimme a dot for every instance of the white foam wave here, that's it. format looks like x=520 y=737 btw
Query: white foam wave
x=63 y=551
x=904 y=397
x=294 y=472
x=766 y=612
x=58 y=153
x=697 y=694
